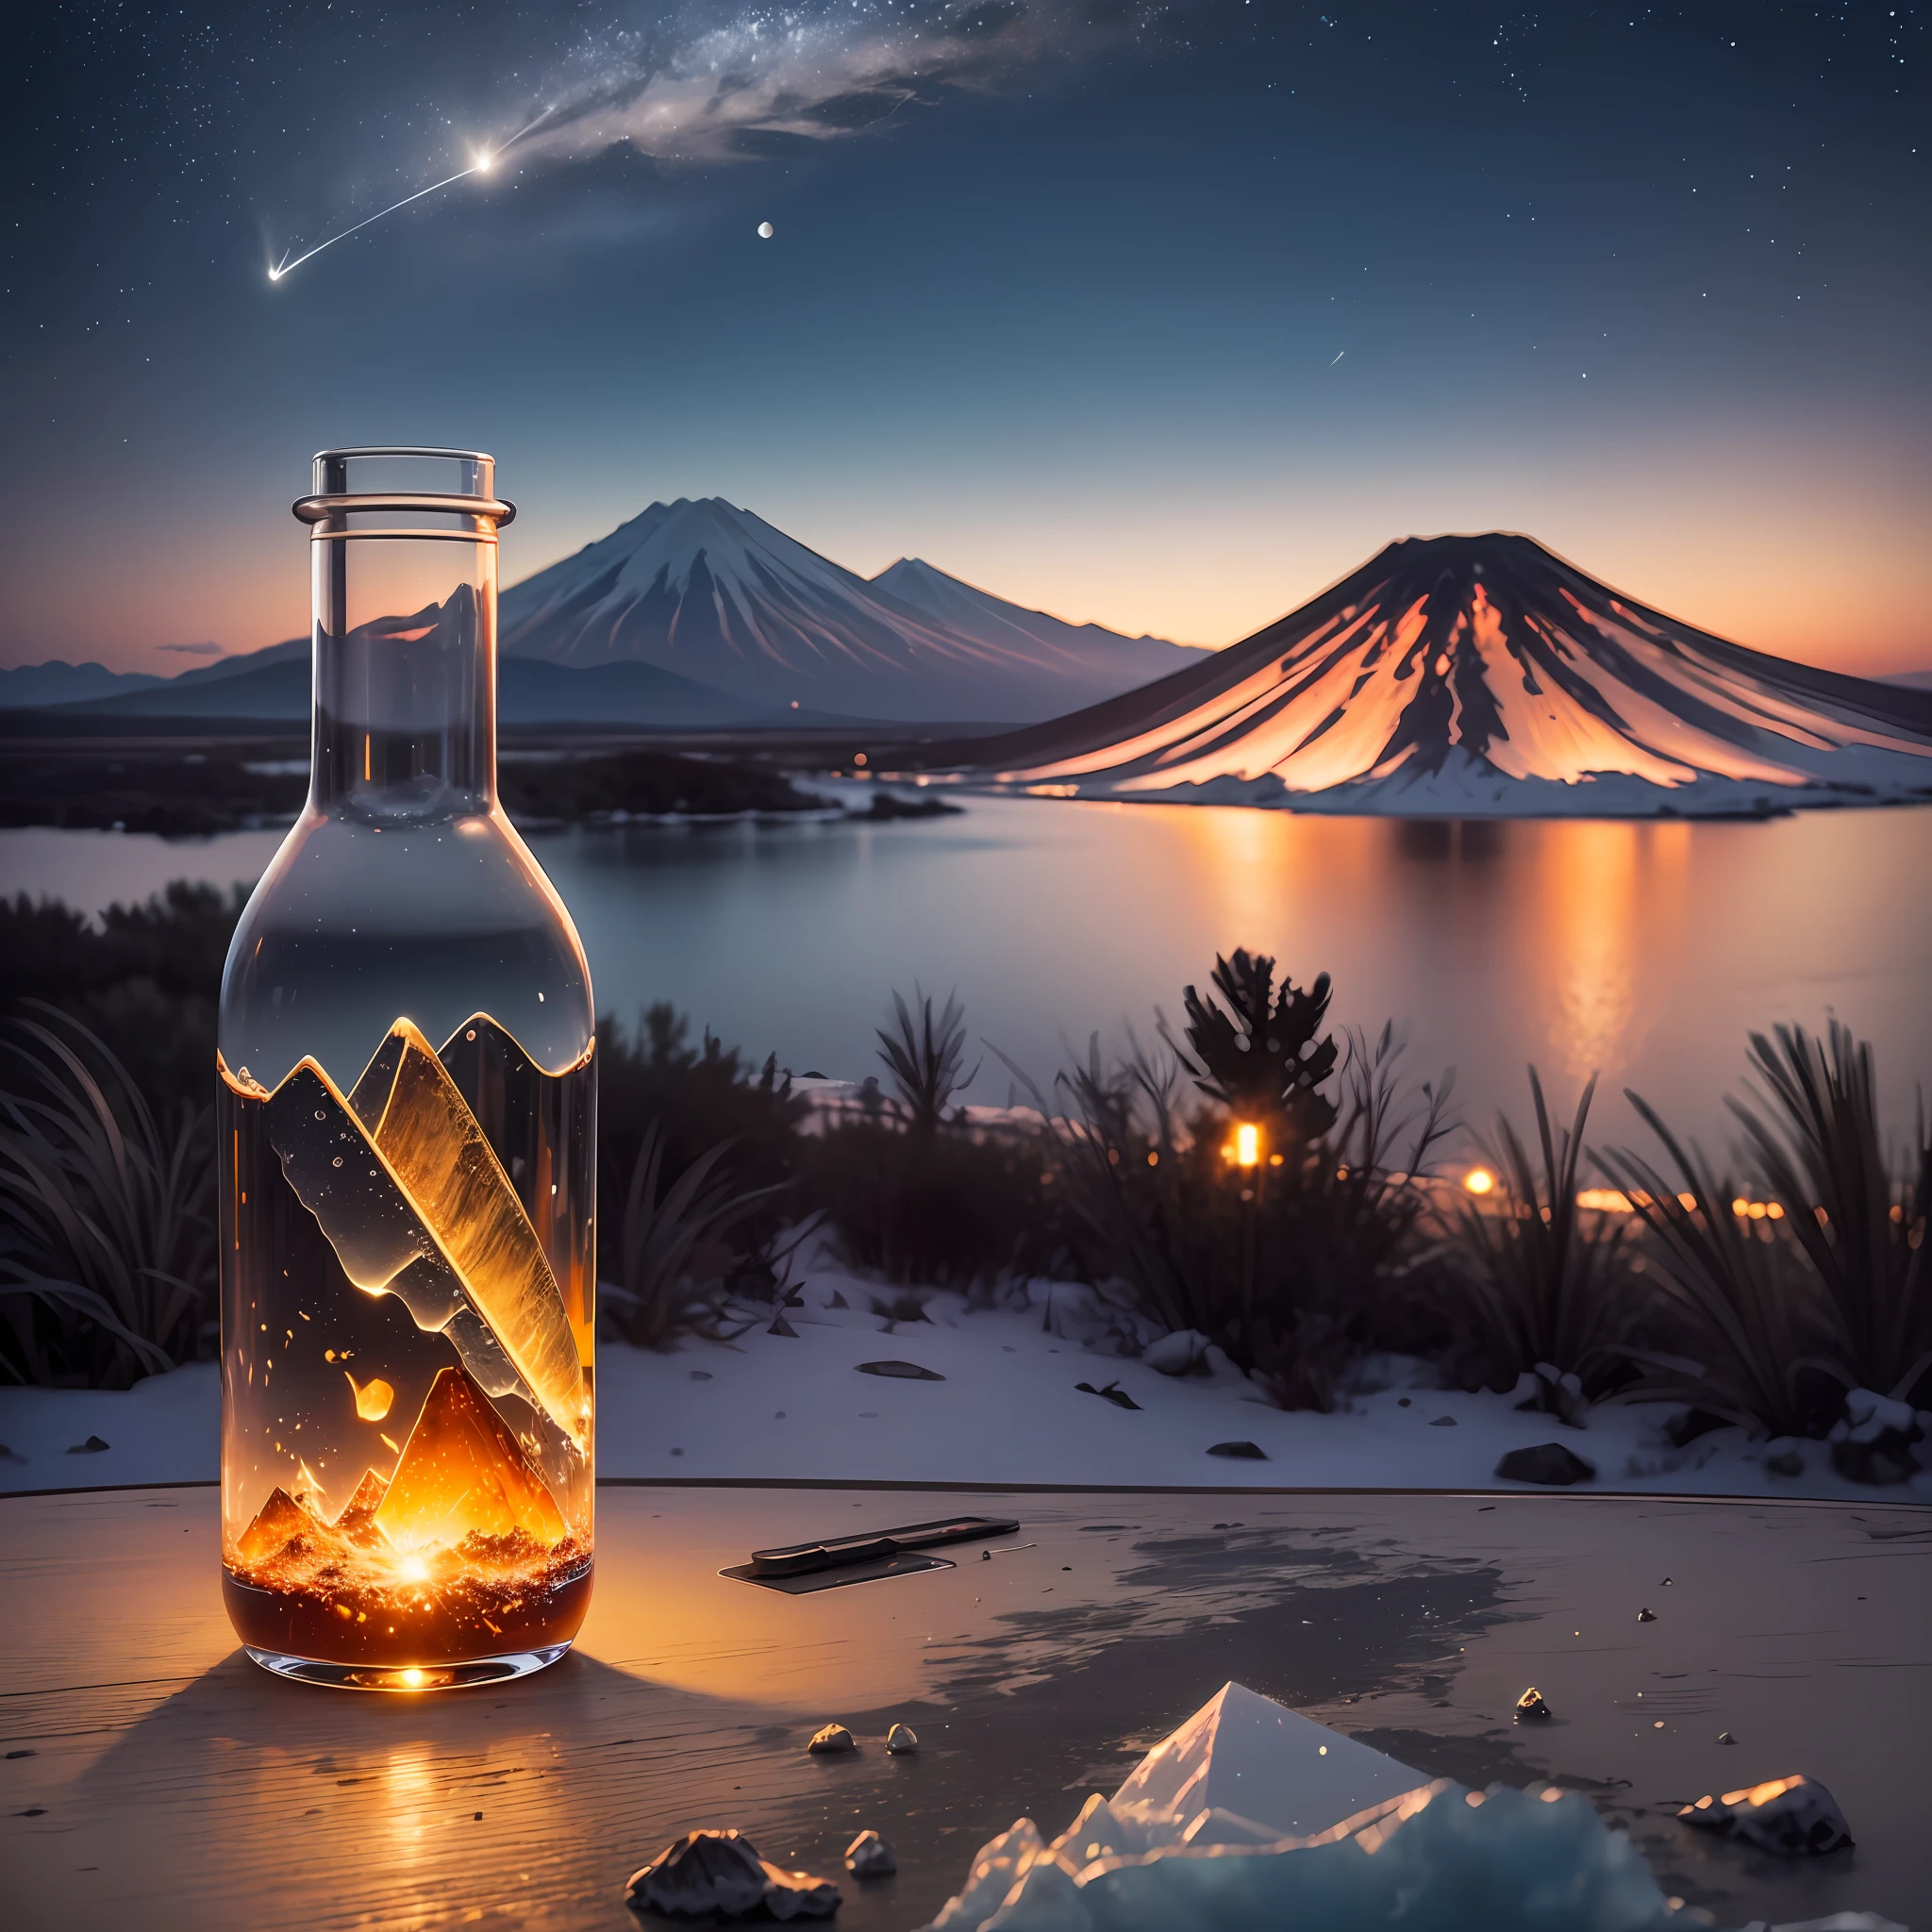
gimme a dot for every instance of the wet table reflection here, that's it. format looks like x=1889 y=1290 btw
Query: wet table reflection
x=153 y=1772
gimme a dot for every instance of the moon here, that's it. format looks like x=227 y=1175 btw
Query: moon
x=765 y=231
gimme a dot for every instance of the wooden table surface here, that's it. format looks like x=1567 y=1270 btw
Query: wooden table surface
x=154 y=1777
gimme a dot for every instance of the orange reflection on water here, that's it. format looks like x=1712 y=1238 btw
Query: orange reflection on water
x=1606 y=890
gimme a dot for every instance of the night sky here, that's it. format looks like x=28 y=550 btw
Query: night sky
x=1160 y=316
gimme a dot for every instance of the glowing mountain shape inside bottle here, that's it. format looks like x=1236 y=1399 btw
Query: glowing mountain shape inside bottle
x=461 y=1473
x=387 y=1244
x=437 y=1151
x=1483 y=675
x=279 y=1521
x=358 y=1518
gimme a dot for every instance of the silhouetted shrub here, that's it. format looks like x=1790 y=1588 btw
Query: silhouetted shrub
x=951 y=1209
x=146 y=979
x=695 y=1097
x=1287 y=1263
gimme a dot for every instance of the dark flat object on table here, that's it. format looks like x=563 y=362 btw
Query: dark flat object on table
x=901 y=1371
x=869 y=1554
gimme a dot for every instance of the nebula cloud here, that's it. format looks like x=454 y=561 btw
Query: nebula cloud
x=692 y=87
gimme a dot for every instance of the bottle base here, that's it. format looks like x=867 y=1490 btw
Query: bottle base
x=409 y=1680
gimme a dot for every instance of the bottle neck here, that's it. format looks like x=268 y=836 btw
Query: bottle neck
x=405 y=703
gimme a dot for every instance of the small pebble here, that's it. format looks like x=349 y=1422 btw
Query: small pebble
x=831 y=1739
x=902 y=1739
x=1726 y=1737
x=1646 y=1616
x=1531 y=1705
x=870 y=1856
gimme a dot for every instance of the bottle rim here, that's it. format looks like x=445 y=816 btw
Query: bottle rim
x=328 y=512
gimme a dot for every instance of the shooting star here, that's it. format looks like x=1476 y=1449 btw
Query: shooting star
x=1339 y=355
x=482 y=160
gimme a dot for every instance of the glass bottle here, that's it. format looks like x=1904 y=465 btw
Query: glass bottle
x=406 y=1108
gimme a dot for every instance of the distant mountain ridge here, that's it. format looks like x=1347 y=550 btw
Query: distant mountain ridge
x=701 y=614
x=1481 y=675
x=716 y=593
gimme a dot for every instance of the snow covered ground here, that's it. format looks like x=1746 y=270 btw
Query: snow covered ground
x=1006 y=1410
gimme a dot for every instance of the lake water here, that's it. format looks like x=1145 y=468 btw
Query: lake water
x=1646 y=950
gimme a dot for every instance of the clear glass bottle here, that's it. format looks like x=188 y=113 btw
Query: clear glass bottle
x=407 y=1107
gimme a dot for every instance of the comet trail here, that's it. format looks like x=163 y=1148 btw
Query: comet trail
x=1339 y=354
x=486 y=159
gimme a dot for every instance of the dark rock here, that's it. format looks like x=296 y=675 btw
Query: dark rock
x=1726 y=1737
x=1443 y=1422
x=798 y=1895
x=92 y=1446
x=1796 y=1816
x=1887 y=1458
x=1114 y=1393
x=1548 y=1462
x=870 y=1856
x=1531 y=1705
x=901 y=1371
x=1646 y=1616
x=902 y=1741
x=1687 y=1424
x=830 y=1739
x=703 y=1872
x=1243 y=1452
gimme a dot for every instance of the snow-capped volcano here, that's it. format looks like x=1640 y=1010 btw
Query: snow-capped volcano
x=1482 y=675
x=718 y=594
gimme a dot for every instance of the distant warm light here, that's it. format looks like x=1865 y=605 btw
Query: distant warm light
x=1605 y=1200
x=1480 y=1180
x=1688 y=1202
x=1247 y=1144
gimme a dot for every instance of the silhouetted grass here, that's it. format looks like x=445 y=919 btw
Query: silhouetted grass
x=107 y=1249
x=667 y=1276
x=1781 y=1317
x=1547 y=1284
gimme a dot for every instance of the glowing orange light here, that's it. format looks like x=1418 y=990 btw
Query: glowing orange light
x=1247 y=1144
x=1480 y=1180
x=412 y=1679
